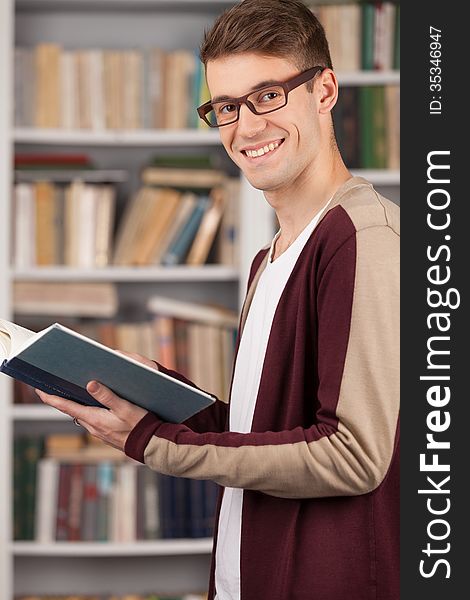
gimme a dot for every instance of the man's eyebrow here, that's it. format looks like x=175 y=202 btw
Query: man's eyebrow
x=257 y=86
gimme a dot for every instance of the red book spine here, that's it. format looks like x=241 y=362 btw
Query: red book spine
x=75 y=502
x=63 y=497
x=47 y=159
x=89 y=504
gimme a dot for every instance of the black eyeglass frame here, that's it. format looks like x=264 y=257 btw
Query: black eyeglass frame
x=287 y=86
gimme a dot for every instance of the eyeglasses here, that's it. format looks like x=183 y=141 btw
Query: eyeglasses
x=261 y=101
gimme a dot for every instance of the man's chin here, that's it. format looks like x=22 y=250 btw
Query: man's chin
x=264 y=185
x=257 y=185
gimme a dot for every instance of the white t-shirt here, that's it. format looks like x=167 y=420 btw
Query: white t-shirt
x=246 y=381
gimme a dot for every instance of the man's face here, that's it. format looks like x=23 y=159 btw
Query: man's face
x=293 y=131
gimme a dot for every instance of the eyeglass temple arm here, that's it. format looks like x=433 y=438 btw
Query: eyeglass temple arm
x=303 y=77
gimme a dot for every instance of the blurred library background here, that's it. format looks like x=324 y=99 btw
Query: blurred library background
x=122 y=218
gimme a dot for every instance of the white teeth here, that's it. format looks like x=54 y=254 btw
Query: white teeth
x=263 y=150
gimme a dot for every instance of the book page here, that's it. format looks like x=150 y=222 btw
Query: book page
x=12 y=337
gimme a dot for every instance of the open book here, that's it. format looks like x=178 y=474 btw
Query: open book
x=60 y=361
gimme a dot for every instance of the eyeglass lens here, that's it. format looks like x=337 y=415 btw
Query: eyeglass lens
x=263 y=101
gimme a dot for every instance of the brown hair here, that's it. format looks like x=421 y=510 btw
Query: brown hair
x=282 y=28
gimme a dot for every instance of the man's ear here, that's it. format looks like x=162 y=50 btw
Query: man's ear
x=327 y=86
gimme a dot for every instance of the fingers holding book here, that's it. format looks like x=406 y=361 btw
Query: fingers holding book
x=111 y=424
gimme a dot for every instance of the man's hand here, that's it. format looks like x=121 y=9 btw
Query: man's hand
x=112 y=426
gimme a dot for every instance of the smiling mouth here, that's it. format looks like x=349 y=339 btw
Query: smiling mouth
x=267 y=149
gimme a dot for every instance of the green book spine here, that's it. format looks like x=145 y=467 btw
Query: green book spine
x=366 y=127
x=32 y=454
x=105 y=480
x=367 y=49
x=202 y=161
x=379 y=152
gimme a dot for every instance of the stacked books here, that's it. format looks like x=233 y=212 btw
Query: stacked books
x=99 y=89
x=362 y=35
x=68 y=490
x=65 y=299
x=184 y=213
x=62 y=225
x=197 y=341
x=69 y=224
x=179 y=216
x=367 y=126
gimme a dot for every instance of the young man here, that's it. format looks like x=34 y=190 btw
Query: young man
x=308 y=452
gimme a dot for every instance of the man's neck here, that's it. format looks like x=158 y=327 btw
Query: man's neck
x=296 y=206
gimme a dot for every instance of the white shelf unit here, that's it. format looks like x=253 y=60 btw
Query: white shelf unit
x=168 y=565
x=368 y=77
x=33 y=412
x=128 y=139
x=180 y=547
x=179 y=274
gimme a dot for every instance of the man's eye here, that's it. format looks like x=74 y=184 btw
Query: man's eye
x=225 y=109
x=267 y=96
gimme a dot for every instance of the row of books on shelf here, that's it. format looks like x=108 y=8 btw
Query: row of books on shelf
x=65 y=299
x=151 y=596
x=150 y=88
x=363 y=35
x=178 y=216
x=68 y=490
x=194 y=339
x=367 y=126
x=100 y=89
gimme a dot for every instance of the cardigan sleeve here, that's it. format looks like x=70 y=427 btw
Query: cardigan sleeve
x=212 y=418
x=349 y=447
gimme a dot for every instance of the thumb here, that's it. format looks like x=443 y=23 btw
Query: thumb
x=101 y=393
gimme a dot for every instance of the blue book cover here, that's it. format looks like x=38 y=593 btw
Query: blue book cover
x=196 y=506
x=193 y=117
x=104 y=482
x=179 y=248
x=166 y=506
x=60 y=361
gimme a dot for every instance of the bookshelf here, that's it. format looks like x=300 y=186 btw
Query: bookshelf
x=145 y=548
x=181 y=274
x=127 y=139
x=168 y=566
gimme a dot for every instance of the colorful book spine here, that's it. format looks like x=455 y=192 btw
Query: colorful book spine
x=63 y=496
x=367 y=47
x=178 y=250
x=366 y=127
x=104 y=484
x=89 y=516
x=33 y=451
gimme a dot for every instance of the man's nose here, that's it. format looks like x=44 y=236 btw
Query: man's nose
x=250 y=124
